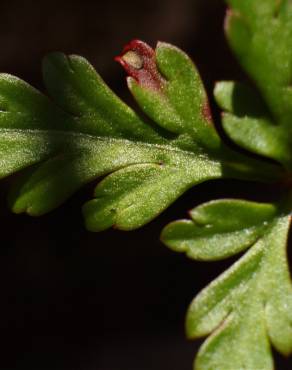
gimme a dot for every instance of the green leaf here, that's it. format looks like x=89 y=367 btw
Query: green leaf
x=248 y=123
x=239 y=99
x=90 y=133
x=107 y=136
x=260 y=34
x=85 y=132
x=28 y=125
x=248 y=307
x=181 y=106
x=219 y=229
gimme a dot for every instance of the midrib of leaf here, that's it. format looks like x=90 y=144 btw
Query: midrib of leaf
x=100 y=155
x=79 y=137
x=198 y=164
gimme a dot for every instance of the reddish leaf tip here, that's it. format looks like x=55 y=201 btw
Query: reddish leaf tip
x=140 y=47
x=228 y=15
x=139 y=61
x=206 y=111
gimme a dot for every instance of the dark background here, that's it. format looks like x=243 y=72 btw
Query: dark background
x=71 y=299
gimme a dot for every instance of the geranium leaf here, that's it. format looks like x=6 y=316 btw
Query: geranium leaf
x=247 y=121
x=260 y=34
x=248 y=307
x=89 y=133
x=219 y=229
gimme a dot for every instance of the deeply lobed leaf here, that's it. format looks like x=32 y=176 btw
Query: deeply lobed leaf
x=249 y=305
x=260 y=34
x=210 y=236
x=147 y=163
x=90 y=133
x=247 y=122
x=99 y=135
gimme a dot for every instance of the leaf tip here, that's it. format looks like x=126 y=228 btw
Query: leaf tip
x=139 y=61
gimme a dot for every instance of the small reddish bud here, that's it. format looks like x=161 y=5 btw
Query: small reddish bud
x=139 y=61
